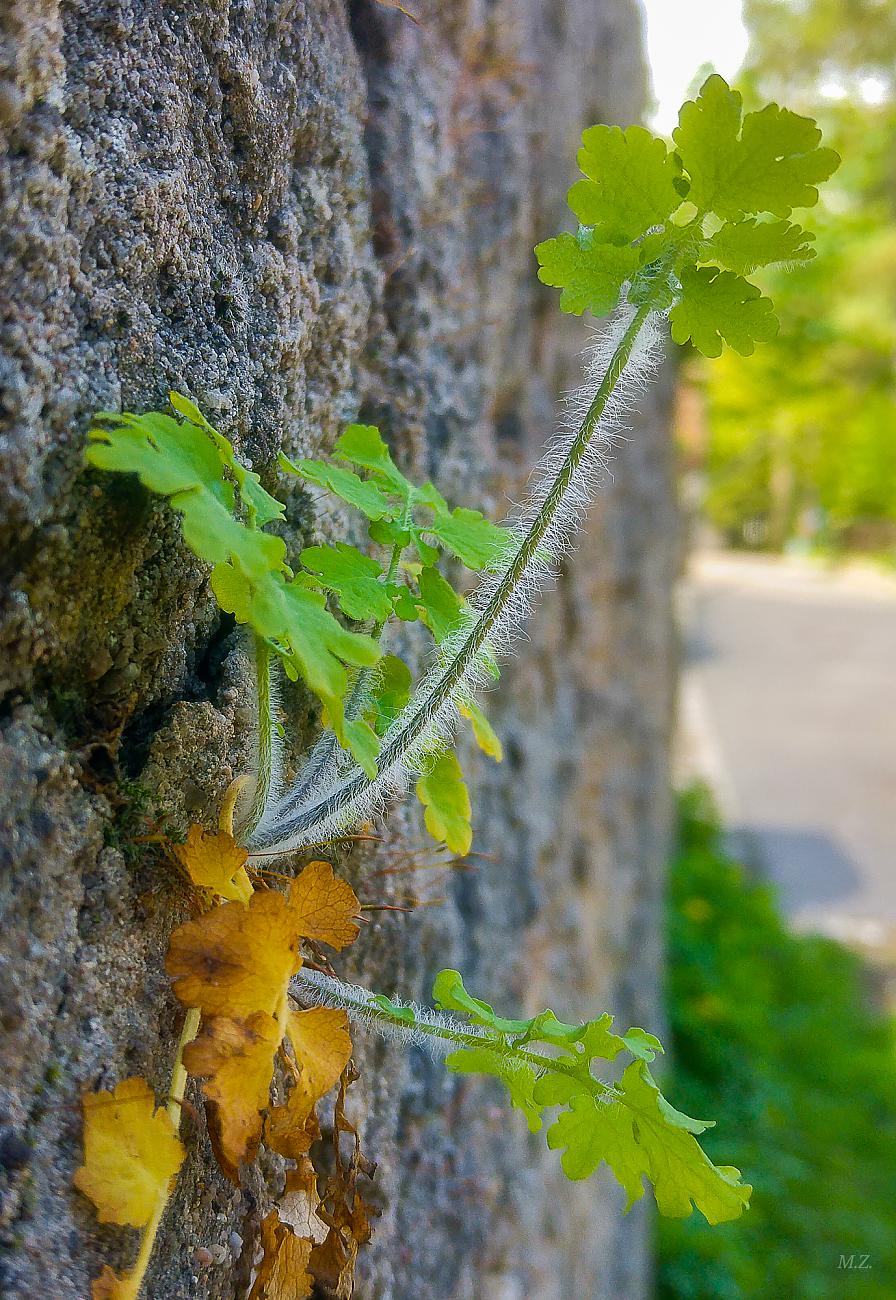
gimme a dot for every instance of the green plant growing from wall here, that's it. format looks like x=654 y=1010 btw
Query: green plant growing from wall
x=664 y=235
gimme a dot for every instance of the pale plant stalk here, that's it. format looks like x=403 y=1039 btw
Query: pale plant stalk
x=133 y=1280
x=266 y=739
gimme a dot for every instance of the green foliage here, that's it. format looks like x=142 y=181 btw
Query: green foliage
x=446 y=801
x=775 y=1032
x=224 y=508
x=438 y=604
x=719 y=305
x=544 y=1063
x=403 y=515
x=802 y=439
x=747 y=245
x=391 y=692
x=770 y=162
x=591 y=274
x=632 y=183
x=649 y=218
x=483 y=731
x=356 y=580
x=344 y=483
x=189 y=463
x=399 y=511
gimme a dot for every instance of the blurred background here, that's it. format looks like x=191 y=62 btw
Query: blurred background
x=782 y=899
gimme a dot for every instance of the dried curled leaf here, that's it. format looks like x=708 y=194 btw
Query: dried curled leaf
x=321 y=1042
x=214 y=861
x=343 y=1209
x=323 y=906
x=300 y=1201
x=332 y=1262
x=131 y=1153
x=237 y=1059
x=236 y=960
x=283 y=1272
x=109 y=1286
x=290 y=1129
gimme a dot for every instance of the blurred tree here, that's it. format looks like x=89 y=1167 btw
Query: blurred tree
x=803 y=439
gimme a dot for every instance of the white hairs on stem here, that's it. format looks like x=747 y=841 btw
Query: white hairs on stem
x=266 y=766
x=430 y=1029
x=619 y=364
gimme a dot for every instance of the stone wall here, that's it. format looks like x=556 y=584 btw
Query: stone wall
x=298 y=211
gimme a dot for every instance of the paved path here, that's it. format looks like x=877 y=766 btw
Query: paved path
x=789 y=710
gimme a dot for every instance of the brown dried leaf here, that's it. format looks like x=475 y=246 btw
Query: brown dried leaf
x=109 y=1286
x=283 y=1272
x=290 y=1129
x=237 y=1059
x=131 y=1153
x=300 y=1200
x=215 y=861
x=323 y=906
x=347 y=1215
x=236 y=960
x=332 y=1263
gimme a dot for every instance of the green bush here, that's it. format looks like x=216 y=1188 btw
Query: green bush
x=776 y=1036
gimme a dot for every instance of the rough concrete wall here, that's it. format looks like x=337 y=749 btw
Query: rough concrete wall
x=297 y=212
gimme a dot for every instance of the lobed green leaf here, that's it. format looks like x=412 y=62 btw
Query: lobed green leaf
x=719 y=305
x=475 y=540
x=355 y=578
x=446 y=801
x=630 y=1125
x=441 y=605
x=343 y=483
x=630 y=185
x=743 y=246
x=638 y=1133
x=770 y=162
x=591 y=274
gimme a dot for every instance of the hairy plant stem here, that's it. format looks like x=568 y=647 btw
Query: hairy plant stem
x=412 y=725
x=358 y=1003
x=264 y=667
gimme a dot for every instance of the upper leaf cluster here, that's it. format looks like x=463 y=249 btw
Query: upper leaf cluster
x=681 y=228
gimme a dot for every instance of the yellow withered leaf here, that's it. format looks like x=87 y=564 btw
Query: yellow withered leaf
x=236 y=1057
x=109 y=1286
x=214 y=861
x=321 y=1042
x=324 y=905
x=131 y=1153
x=290 y=1129
x=235 y=960
x=283 y=1272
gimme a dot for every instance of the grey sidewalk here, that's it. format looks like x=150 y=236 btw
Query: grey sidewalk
x=788 y=710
